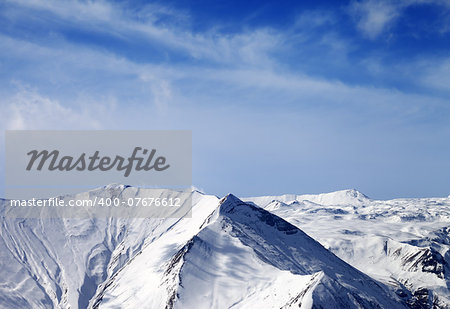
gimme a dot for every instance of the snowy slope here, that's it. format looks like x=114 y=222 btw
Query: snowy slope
x=244 y=257
x=403 y=242
x=61 y=263
x=229 y=254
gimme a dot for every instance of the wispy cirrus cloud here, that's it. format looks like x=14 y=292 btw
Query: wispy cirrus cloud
x=166 y=30
x=28 y=109
x=374 y=17
x=298 y=89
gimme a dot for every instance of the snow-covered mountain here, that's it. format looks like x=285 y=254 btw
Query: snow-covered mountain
x=401 y=242
x=234 y=254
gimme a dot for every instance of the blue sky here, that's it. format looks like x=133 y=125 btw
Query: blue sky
x=281 y=96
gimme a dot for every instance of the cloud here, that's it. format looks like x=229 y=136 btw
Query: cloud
x=152 y=25
x=28 y=109
x=437 y=74
x=75 y=75
x=374 y=17
x=222 y=64
x=262 y=90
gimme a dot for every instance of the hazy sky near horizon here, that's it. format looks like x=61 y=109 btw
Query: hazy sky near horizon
x=281 y=96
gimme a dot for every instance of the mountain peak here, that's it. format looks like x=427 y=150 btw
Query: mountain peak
x=355 y=193
x=273 y=241
x=342 y=197
x=228 y=203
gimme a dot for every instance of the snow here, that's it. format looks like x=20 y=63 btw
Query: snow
x=233 y=253
x=402 y=242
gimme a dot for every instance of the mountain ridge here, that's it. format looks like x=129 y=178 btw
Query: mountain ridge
x=136 y=262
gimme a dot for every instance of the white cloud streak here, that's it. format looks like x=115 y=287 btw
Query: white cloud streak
x=235 y=92
x=28 y=109
x=248 y=47
x=153 y=88
x=375 y=17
